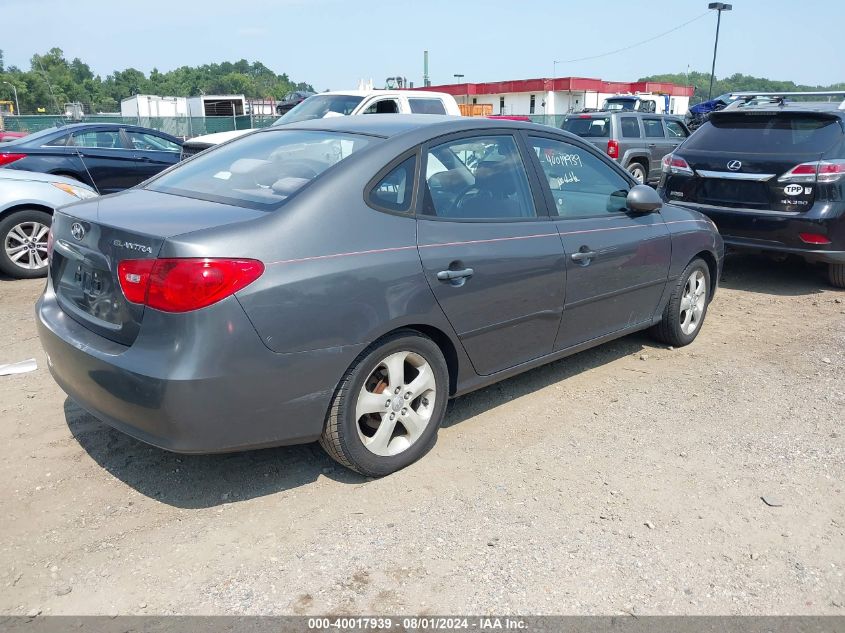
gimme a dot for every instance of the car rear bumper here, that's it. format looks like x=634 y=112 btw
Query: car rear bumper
x=216 y=390
x=778 y=232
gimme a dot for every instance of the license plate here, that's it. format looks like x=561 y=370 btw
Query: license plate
x=92 y=282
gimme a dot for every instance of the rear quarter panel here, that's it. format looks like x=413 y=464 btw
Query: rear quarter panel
x=692 y=233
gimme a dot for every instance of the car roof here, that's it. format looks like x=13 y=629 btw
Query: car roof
x=387 y=93
x=832 y=107
x=388 y=125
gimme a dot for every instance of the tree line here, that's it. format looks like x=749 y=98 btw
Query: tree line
x=735 y=83
x=52 y=81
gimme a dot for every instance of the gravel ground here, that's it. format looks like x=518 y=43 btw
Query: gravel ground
x=626 y=479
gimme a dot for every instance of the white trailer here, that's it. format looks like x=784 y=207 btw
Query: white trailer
x=153 y=106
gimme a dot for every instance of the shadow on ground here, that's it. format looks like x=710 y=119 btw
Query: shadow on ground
x=202 y=481
x=790 y=277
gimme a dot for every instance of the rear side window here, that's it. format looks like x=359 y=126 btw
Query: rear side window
x=767 y=134
x=262 y=170
x=588 y=127
x=102 y=140
x=393 y=192
x=630 y=127
x=653 y=128
x=58 y=142
x=427 y=106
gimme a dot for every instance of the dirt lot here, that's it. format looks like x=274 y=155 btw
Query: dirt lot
x=626 y=479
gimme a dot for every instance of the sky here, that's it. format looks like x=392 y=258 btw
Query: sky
x=332 y=44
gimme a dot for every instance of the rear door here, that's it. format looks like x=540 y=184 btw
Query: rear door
x=102 y=154
x=617 y=262
x=657 y=143
x=492 y=257
x=152 y=152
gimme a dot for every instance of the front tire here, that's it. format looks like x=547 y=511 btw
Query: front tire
x=836 y=275
x=388 y=407
x=687 y=307
x=23 y=243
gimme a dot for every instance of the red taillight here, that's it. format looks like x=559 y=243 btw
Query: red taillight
x=813 y=238
x=8 y=157
x=613 y=149
x=676 y=165
x=182 y=285
x=821 y=171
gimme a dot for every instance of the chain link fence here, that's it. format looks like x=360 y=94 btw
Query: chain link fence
x=181 y=127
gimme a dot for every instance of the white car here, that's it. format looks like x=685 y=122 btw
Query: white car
x=345 y=103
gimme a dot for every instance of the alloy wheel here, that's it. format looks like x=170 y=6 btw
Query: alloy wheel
x=395 y=403
x=693 y=301
x=26 y=245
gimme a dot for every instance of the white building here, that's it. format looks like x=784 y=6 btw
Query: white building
x=562 y=95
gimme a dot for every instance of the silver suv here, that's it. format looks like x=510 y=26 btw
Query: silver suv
x=638 y=141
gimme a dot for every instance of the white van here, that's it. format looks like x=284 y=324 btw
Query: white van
x=345 y=103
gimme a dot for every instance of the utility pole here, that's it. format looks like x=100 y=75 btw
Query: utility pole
x=719 y=7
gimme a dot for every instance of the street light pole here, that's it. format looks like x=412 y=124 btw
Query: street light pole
x=719 y=7
x=15 y=90
x=459 y=76
x=552 y=96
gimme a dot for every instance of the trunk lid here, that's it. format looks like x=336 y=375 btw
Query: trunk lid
x=90 y=239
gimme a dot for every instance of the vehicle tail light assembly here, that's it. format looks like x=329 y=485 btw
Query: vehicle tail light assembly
x=185 y=284
x=7 y=158
x=676 y=165
x=814 y=238
x=50 y=243
x=821 y=171
x=613 y=149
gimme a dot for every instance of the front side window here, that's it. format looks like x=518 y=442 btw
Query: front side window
x=151 y=143
x=426 y=106
x=630 y=127
x=581 y=184
x=482 y=177
x=262 y=170
x=675 y=130
x=393 y=192
x=653 y=128
x=103 y=139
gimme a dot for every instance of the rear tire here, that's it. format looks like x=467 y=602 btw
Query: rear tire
x=639 y=172
x=836 y=275
x=687 y=307
x=23 y=243
x=388 y=407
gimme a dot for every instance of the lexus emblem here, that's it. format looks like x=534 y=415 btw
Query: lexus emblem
x=77 y=230
x=734 y=165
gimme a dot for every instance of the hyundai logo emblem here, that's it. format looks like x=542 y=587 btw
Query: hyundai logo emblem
x=734 y=165
x=77 y=230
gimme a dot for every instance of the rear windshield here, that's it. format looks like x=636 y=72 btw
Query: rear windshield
x=321 y=106
x=779 y=133
x=260 y=170
x=589 y=127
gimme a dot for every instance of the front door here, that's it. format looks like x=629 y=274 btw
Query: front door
x=492 y=258
x=617 y=262
x=153 y=153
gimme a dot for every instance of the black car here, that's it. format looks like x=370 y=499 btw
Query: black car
x=291 y=100
x=770 y=173
x=106 y=156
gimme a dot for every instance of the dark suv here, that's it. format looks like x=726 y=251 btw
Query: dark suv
x=770 y=173
x=637 y=141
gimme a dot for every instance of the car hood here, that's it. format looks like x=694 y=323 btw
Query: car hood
x=20 y=174
x=217 y=138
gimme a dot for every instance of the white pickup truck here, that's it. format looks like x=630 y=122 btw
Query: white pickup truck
x=345 y=103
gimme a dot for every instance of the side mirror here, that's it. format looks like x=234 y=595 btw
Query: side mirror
x=643 y=199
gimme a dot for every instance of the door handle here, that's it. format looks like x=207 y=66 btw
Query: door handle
x=652 y=144
x=583 y=257
x=449 y=275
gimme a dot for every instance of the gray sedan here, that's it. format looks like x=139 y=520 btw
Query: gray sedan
x=339 y=280
x=27 y=202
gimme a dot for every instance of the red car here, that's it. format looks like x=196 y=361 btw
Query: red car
x=10 y=136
